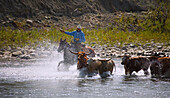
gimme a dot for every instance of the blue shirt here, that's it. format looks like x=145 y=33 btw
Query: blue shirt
x=77 y=34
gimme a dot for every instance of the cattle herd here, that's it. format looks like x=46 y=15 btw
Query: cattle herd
x=159 y=66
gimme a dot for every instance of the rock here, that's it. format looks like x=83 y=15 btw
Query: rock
x=24 y=51
x=1 y=56
x=47 y=17
x=17 y=53
x=159 y=47
x=93 y=43
x=144 y=12
x=132 y=45
x=98 y=54
x=29 y=21
x=25 y=57
x=147 y=54
x=9 y=48
x=38 y=21
x=31 y=51
x=107 y=55
x=33 y=54
x=1 y=53
x=54 y=18
x=7 y=53
x=139 y=53
x=2 y=49
x=13 y=23
x=166 y=50
x=124 y=48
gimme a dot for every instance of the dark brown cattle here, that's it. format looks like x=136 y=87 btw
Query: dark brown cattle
x=165 y=62
x=135 y=64
x=155 y=68
x=160 y=66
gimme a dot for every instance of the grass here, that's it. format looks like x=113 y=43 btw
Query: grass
x=20 y=38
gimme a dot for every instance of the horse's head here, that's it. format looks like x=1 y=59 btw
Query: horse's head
x=62 y=45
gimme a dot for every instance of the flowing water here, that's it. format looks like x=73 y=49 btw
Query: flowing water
x=40 y=78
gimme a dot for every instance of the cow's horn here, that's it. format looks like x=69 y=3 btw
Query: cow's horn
x=73 y=52
x=88 y=53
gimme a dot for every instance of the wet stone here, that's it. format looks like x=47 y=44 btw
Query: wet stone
x=25 y=57
x=132 y=46
x=7 y=53
x=17 y=53
x=159 y=47
x=1 y=53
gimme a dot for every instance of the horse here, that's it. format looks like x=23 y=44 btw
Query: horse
x=69 y=58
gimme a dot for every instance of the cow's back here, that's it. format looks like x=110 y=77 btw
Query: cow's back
x=93 y=65
x=138 y=63
x=134 y=65
x=106 y=66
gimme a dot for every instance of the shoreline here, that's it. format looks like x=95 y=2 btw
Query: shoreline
x=28 y=53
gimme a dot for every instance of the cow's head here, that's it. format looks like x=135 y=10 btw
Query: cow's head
x=125 y=60
x=81 y=54
x=155 y=68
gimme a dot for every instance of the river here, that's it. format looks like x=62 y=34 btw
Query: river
x=39 y=78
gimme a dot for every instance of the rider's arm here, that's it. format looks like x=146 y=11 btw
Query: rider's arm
x=70 y=33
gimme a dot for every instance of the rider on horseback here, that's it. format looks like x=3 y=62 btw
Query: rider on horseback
x=78 y=37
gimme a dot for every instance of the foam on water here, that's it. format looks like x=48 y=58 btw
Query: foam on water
x=40 y=69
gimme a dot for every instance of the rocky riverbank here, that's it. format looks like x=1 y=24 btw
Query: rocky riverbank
x=26 y=52
x=149 y=49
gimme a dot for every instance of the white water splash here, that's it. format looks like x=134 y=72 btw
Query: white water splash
x=40 y=69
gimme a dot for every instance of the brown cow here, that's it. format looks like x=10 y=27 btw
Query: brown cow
x=82 y=59
x=82 y=65
x=93 y=65
x=106 y=67
x=160 y=66
x=103 y=66
x=135 y=64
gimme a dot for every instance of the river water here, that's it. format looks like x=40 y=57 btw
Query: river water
x=40 y=79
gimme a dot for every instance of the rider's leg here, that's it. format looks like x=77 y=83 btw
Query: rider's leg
x=78 y=47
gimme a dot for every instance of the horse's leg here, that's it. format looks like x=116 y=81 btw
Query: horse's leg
x=60 y=63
